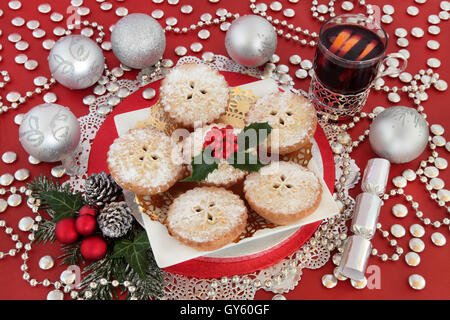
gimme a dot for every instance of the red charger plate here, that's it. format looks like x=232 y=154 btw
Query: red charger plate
x=206 y=267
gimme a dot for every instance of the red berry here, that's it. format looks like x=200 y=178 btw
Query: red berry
x=65 y=231
x=88 y=210
x=93 y=248
x=86 y=225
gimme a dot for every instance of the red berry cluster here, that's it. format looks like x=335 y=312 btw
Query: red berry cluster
x=223 y=142
x=68 y=230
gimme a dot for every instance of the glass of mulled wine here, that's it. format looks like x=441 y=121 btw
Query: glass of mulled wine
x=349 y=58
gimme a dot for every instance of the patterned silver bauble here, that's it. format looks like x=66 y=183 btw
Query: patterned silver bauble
x=49 y=132
x=251 y=40
x=76 y=62
x=399 y=134
x=138 y=41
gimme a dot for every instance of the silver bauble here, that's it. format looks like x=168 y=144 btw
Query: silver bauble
x=50 y=132
x=251 y=40
x=138 y=41
x=76 y=62
x=399 y=134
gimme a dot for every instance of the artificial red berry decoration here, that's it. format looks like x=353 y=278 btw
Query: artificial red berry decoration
x=86 y=225
x=223 y=142
x=93 y=248
x=65 y=231
x=88 y=210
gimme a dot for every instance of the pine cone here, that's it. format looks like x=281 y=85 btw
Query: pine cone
x=115 y=219
x=101 y=189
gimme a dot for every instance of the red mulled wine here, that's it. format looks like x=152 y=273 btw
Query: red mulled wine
x=346 y=61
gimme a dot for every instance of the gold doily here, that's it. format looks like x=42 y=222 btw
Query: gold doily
x=240 y=102
x=158 y=120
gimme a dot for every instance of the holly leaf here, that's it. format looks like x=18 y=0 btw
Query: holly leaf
x=141 y=241
x=202 y=165
x=134 y=252
x=253 y=135
x=246 y=161
x=137 y=259
x=63 y=204
x=121 y=248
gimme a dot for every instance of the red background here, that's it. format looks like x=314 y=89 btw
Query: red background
x=394 y=285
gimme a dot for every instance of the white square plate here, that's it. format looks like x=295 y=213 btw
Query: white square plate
x=167 y=250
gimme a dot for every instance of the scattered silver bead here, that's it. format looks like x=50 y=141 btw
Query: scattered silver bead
x=438 y=239
x=437 y=183
x=121 y=12
x=359 y=284
x=434 y=30
x=289 y=13
x=434 y=19
x=204 y=34
x=148 y=93
x=417 y=32
x=58 y=171
x=412 y=259
x=412 y=11
x=9 y=157
x=443 y=195
x=33 y=160
x=441 y=85
x=50 y=97
x=56 y=17
x=6 y=179
x=171 y=21
x=208 y=57
x=386 y=19
x=22 y=174
x=3 y=205
x=44 y=8
x=329 y=281
x=295 y=59
x=15 y=5
x=14 y=200
x=105 y=6
x=46 y=262
x=48 y=44
x=180 y=51
x=402 y=42
x=399 y=210
x=55 y=295
x=433 y=44
x=276 y=6
x=416 y=281
x=401 y=32
x=25 y=224
x=434 y=63
x=196 y=47
x=18 y=21
x=398 y=231
x=416 y=245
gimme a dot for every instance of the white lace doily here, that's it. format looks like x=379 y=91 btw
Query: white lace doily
x=279 y=278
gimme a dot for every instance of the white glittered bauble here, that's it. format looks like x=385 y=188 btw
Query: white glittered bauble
x=49 y=132
x=399 y=134
x=76 y=62
x=251 y=40
x=138 y=41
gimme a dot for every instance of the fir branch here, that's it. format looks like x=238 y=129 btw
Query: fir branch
x=152 y=286
x=118 y=269
x=44 y=184
x=72 y=254
x=101 y=269
x=41 y=185
x=46 y=232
